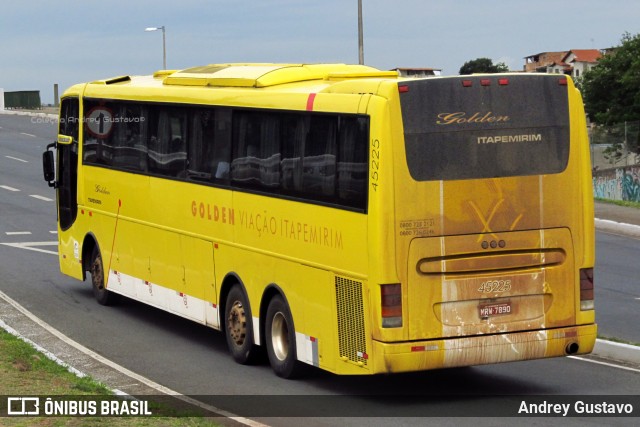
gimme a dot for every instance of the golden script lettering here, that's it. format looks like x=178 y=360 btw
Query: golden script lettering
x=460 y=117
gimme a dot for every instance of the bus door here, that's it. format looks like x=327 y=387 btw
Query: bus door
x=67 y=173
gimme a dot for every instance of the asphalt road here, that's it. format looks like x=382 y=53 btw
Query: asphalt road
x=618 y=287
x=193 y=360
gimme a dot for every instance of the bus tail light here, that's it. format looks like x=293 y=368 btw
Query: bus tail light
x=391 y=305
x=586 y=289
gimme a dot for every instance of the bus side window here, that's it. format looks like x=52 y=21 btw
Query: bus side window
x=352 y=161
x=200 y=147
x=319 y=162
x=256 y=150
x=295 y=128
x=128 y=139
x=222 y=144
x=167 y=142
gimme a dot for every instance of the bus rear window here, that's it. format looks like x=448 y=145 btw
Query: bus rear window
x=485 y=127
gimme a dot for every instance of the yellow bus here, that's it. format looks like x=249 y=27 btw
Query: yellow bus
x=336 y=215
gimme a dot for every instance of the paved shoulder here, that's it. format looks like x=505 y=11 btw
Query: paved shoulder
x=621 y=214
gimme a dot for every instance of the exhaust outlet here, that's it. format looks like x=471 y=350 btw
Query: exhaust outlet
x=572 y=348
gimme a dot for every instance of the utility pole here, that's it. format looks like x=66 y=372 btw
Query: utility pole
x=360 y=36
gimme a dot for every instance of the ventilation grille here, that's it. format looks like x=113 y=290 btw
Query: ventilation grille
x=351 y=334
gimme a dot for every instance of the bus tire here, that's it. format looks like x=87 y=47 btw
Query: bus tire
x=281 y=340
x=100 y=292
x=238 y=327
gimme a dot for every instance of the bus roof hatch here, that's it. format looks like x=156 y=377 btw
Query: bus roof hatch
x=265 y=75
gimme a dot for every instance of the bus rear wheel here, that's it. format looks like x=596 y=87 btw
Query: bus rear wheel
x=100 y=292
x=238 y=327
x=281 y=339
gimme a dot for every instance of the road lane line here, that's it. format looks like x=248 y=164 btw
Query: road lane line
x=17 y=233
x=33 y=246
x=146 y=381
x=46 y=199
x=28 y=134
x=611 y=365
x=53 y=232
x=16 y=158
x=6 y=187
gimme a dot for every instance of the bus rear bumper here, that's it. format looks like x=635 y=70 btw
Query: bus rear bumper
x=481 y=350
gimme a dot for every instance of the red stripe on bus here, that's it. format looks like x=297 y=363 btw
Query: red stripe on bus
x=312 y=97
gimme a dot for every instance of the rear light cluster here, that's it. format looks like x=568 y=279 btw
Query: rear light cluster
x=586 y=289
x=503 y=81
x=391 y=305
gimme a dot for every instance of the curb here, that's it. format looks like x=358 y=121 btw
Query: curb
x=618 y=227
x=617 y=351
x=82 y=361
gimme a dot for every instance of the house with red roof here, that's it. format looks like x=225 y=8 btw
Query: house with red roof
x=579 y=61
x=574 y=62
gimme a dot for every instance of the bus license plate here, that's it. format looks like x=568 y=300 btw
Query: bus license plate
x=495 y=309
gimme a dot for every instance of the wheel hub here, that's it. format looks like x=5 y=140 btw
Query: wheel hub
x=237 y=323
x=280 y=336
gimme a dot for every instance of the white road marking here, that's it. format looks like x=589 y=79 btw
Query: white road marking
x=16 y=158
x=6 y=187
x=33 y=246
x=53 y=232
x=17 y=233
x=46 y=199
x=28 y=134
x=597 y=362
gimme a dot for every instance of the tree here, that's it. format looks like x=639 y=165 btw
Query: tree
x=611 y=90
x=483 y=65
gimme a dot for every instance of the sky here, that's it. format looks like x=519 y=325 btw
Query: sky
x=43 y=42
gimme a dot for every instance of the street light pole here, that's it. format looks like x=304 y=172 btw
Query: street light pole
x=360 y=36
x=164 y=44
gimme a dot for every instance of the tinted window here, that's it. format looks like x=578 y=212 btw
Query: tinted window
x=320 y=152
x=115 y=135
x=67 y=176
x=315 y=157
x=455 y=131
x=256 y=150
x=352 y=161
x=209 y=145
x=167 y=141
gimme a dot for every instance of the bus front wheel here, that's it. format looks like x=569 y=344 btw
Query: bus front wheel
x=281 y=339
x=100 y=292
x=238 y=327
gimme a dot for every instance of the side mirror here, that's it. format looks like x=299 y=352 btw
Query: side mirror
x=48 y=166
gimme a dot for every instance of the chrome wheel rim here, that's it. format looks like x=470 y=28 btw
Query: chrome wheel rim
x=280 y=336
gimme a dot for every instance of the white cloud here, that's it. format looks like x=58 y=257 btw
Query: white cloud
x=68 y=41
